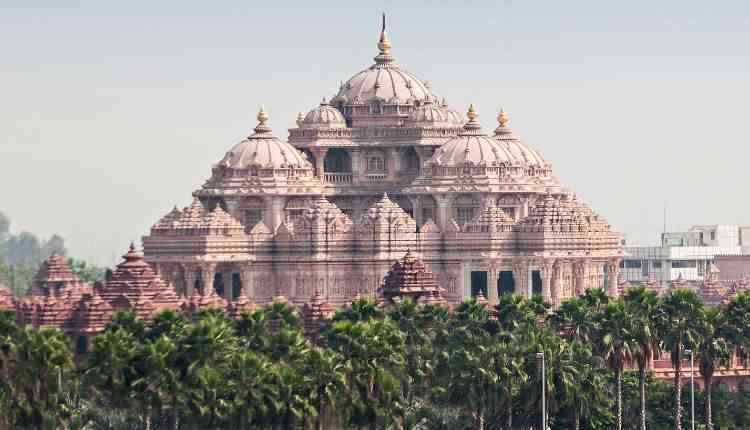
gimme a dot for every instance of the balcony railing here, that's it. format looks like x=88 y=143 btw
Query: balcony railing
x=375 y=177
x=338 y=178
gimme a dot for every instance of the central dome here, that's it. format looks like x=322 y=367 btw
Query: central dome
x=384 y=81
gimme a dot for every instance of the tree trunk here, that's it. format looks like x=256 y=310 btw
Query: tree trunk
x=618 y=375
x=642 y=383
x=707 y=389
x=577 y=419
x=510 y=415
x=678 y=391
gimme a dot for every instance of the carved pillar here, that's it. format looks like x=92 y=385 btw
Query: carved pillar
x=557 y=283
x=392 y=160
x=207 y=276
x=356 y=155
x=547 y=267
x=443 y=210
x=247 y=281
x=613 y=267
x=492 y=285
x=581 y=269
x=190 y=276
x=416 y=209
x=520 y=274
x=275 y=208
x=320 y=156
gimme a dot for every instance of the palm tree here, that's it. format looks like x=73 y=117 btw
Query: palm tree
x=157 y=386
x=581 y=383
x=256 y=398
x=574 y=320
x=109 y=370
x=713 y=349
x=42 y=371
x=327 y=371
x=683 y=316
x=644 y=310
x=373 y=349
x=362 y=309
x=737 y=327
x=616 y=343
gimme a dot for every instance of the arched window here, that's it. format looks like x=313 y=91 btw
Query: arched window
x=466 y=208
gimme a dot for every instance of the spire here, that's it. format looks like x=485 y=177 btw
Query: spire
x=300 y=119
x=384 y=46
x=472 y=127
x=502 y=119
x=262 y=117
x=472 y=113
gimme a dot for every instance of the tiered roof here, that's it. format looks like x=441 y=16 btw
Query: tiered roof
x=135 y=285
x=315 y=312
x=492 y=219
x=196 y=220
x=409 y=277
x=6 y=298
x=240 y=305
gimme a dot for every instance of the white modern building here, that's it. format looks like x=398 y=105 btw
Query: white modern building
x=685 y=254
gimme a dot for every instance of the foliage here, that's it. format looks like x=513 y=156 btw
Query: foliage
x=411 y=366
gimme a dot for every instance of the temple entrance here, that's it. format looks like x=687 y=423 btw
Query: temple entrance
x=236 y=285
x=505 y=283
x=536 y=282
x=478 y=283
x=219 y=284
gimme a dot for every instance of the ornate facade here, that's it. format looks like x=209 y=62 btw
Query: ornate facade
x=384 y=167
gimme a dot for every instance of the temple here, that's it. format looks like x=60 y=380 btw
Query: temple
x=383 y=166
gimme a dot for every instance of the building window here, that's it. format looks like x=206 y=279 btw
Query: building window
x=464 y=215
x=375 y=164
x=252 y=217
x=684 y=264
x=713 y=235
x=656 y=264
x=427 y=214
x=632 y=264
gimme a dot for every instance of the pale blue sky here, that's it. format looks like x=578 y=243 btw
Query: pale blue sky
x=112 y=112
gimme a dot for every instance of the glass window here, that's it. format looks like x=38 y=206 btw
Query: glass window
x=632 y=264
x=656 y=264
x=684 y=264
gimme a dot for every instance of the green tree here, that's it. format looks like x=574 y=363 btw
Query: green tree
x=373 y=350
x=41 y=371
x=680 y=327
x=644 y=310
x=713 y=350
x=616 y=342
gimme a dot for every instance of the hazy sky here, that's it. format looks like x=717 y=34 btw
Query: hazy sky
x=113 y=112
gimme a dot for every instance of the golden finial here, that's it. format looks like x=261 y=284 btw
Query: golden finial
x=502 y=118
x=472 y=113
x=384 y=45
x=262 y=116
x=300 y=119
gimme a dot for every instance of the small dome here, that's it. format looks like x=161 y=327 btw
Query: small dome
x=514 y=145
x=263 y=150
x=429 y=114
x=324 y=116
x=456 y=118
x=471 y=146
